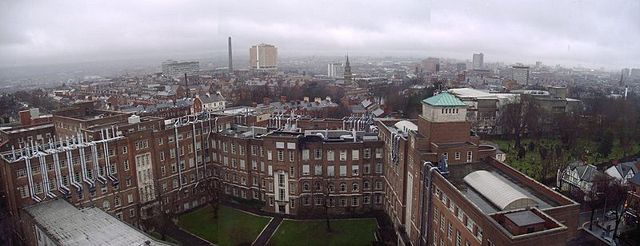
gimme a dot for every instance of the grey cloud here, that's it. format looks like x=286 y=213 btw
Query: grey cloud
x=595 y=33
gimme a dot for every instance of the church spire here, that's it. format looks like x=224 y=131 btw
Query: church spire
x=347 y=73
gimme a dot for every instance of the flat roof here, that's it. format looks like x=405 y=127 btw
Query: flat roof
x=524 y=218
x=459 y=171
x=67 y=225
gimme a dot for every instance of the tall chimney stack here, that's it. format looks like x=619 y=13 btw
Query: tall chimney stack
x=230 y=57
x=186 y=85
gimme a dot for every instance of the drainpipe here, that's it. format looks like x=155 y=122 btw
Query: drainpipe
x=175 y=128
x=195 y=149
x=105 y=148
x=45 y=177
x=27 y=163
x=426 y=185
x=83 y=164
x=96 y=164
x=72 y=179
x=61 y=186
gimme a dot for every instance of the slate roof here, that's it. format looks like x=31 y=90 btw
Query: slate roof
x=635 y=180
x=444 y=99
x=216 y=97
x=586 y=172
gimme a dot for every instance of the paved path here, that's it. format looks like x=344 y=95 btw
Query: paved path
x=268 y=231
x=183 y=237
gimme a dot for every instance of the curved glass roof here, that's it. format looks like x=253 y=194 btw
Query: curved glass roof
x=497 y=191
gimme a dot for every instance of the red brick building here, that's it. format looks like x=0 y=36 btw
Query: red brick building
x=430 y=175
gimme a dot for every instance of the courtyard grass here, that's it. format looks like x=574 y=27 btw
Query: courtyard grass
x=232 y=227
x=313 y=232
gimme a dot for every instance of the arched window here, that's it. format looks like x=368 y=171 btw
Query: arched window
x=331 y=187
x=318 y=187
x=355 y=186
x=305 y=186
x=343 y=187
x=365 y=185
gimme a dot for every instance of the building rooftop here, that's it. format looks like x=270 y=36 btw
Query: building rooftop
x=67 y=225
x=444 y=99
x=497 y=191
x=492 y=190
x=524 y=218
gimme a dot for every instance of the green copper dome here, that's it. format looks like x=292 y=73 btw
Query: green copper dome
x=444 y=99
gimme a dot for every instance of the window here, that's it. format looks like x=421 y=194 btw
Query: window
x=305 y=186
x=124 y=149
x=355 y=170
x=305 y=201
x=355 y=154
x=291 y=156
x=254 y=165
x=330 y=155
x=354 y=201
x=343 y=187
x=126 y=165
x=367 y=168
x=365 y=185
x=280 y=155
x=450 y=231
x=355 y=187
x=458 y=238
x=379 y=167
x=330 y=171
x=469 y=156
x=365 y=200
x=457 y=155
x=318 y=154
x=445 y=155
x=305 y=170
x=343 y=170
x=305 y=154
x=366 y=153
x=21 y=173
x=130 y=198
x=343 y=155
x=318 y=170
x=378 y=153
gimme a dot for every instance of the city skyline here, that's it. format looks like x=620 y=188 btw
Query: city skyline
x=54 y=33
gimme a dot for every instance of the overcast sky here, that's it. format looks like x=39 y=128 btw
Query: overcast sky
x=592 y=33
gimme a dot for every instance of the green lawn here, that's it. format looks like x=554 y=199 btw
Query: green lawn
x=232 y=227
x=344 y=232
